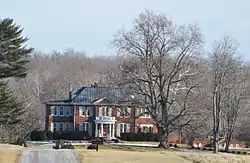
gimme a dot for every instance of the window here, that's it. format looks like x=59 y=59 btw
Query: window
x=85 y=111
x=146 y=128
x=105 y=111
x=61 y=110
x=121 y=128
x=144 y=113
x=67 y=111
x=125 y=112
x=69 y=126
x=150 y=129
x=55 y=110
x=84 y=126
x=61 y=126
x=124 y=127
x=88 y=112
x=71 y=111
x=55 y=127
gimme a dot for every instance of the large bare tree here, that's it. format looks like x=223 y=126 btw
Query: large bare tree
x=160 y=68
x=226 y=85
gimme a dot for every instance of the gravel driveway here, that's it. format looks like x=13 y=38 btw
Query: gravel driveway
x=48 y=156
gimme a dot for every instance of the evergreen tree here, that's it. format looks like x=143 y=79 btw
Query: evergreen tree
x=13 y=63
x=11 y=109
x=13 y=52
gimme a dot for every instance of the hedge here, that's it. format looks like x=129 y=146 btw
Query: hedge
x=139 y=136
x=71 y=135
x=38 y=135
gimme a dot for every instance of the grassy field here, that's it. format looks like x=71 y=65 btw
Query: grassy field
x=116 y=154
x=10 y=153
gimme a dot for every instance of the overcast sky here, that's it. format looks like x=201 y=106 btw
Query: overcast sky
x=89 y=25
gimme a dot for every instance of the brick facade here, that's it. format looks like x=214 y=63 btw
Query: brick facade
x=77 y=119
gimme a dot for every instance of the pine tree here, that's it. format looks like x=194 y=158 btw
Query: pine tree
x=13 y=52
x=11 y=109
x=14 y=57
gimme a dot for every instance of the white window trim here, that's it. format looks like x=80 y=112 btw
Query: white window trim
x=144 y=115
x=65 y=109
x=84 y=126
x=127 y=110
x=86 y=108
x=123 y=128
x=146 y=125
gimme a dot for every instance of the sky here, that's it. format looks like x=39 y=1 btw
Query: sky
x=89 y=25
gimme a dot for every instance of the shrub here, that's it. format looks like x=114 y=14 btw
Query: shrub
x=49 y=135
x=67 y=146
x=244 y=153
x=141 y=136
x=71 y=135
x=238 y=152
x=115 y=140
x=38 y=135
x=57 y=145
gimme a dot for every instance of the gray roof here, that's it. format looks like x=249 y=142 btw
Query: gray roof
x=89 y=95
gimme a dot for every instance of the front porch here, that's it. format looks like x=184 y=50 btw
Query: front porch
x=105 y=127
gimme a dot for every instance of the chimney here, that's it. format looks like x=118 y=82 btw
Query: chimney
x=70 y=89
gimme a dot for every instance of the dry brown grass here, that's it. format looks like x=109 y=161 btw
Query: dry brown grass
x=10 y=153
x=133 y=155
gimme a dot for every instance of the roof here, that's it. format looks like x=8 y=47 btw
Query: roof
x=97 y=95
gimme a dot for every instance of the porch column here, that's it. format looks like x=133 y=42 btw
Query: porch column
x=113 y=130
x=101 y=129
x=96 y=129
x=110 y=135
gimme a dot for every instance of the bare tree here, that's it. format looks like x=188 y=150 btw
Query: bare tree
x=160 y=68
x=223 y=61
x=234 y=99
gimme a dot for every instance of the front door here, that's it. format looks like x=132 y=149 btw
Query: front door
x=106 y=130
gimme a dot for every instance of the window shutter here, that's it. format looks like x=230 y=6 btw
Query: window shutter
x=57 y=126
x=110 y=112
x=100 y=111
x=80 y=126
x=70 y=111
x=57 y=110
x=80 y=111
x=65 y=125
x=118 y=112
x=118 y=129
x=127 y=127
x=90 y=129
x=129 y=111
x=52 y=127
x=91 y=111
x=52 y=108
x=64 y=110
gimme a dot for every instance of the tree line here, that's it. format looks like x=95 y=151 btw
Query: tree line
x=184 y=88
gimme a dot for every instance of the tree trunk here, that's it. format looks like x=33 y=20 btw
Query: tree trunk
x=216 y=120
x=228 y=139
x=163 y=138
